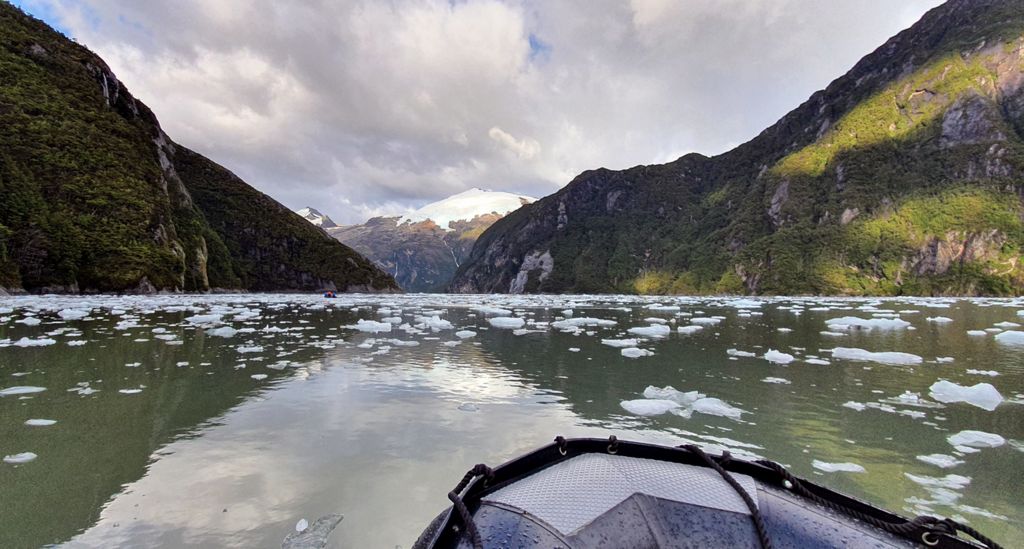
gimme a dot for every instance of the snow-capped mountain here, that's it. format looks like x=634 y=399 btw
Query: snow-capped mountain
x=423 y=248
x=467 y=205
x=317 y=218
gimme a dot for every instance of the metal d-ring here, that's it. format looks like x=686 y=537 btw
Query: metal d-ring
x=934 y=541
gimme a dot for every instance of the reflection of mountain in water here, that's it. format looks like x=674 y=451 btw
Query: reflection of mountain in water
x=105 y=441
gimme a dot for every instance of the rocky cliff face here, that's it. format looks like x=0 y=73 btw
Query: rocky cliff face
x=906 y=175
x=421 y=256
x=96 y=197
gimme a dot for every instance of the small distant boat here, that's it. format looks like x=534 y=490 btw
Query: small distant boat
x=582 y=493
x=330 y=294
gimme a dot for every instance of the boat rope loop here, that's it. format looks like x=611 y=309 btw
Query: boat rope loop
x=928 y=526
x=456 y=498
x=755 y=513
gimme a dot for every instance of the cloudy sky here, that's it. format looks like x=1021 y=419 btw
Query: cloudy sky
x=365 y=107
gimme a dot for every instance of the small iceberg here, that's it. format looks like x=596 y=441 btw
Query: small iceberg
x=982 y=395
x=845 y=467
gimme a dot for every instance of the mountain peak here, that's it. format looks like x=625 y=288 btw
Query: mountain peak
x=467 y=205
x=315 y=217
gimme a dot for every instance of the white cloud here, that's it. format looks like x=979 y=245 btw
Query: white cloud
x=361 y=106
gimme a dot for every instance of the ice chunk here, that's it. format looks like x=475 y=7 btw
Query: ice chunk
x=21 y=390
x=469 y=407
x=950 y=482
x=847 y=353
x=648 y=406
x=982 y=395
x=29 y=321
x=854 y=405
x=976 y=439
x=223 y=331
x=259 y=377
x=434 y=323
x=689 y=330
x=939 y=319
x=670 y=393
x=301 y=525
x=944 y=359
x=655 y=320
x=737 y=352
x=654 y=330
x=844 y=467
x=130 y=391
x=465 y=334
x=571 y=323
x=818 y=361
x=992 y=373
x=716 y=407
x=977 y=333
x=509 y=322
x=633 y=352
x=705 y=321
x=492 y=311
x=847 y=322
x=23 y=457
x=249 y=349
x=1011 y=337
x=941 y=460
x=1006 y=325
x=73 y=314
x=371 y=326
x=574 y=349
x=41 y=342
x=665 y=308
x=777 y=380
x=784 y=330
x=204 y=319
x=632 y=342
x=778 y=357
x=40 y=422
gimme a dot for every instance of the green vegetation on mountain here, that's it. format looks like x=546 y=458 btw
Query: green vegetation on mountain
x=904 y=176
x=95 y=197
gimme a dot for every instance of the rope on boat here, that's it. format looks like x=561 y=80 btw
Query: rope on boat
x=456 y=498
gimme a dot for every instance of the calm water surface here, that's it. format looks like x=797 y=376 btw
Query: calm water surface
x=223 y=420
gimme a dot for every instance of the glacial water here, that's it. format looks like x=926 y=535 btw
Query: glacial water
x=221 y=421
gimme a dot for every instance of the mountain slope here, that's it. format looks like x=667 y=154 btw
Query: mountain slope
x=423 y=249
x=96 y=197
x=903 y=176
x=316 y=218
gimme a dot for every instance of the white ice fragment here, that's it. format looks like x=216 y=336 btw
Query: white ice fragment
x=574 y=349
x=854 y=405
x=705 y=321
x=778 y=357
x=818 y=361
x=977 y=333
x=204 y=319
x=492 y=311
x=982 y=395
x=21 y=390
x=777 y=380
x=76 y=343
x=301 y=525
x=130 y=391
x=648 y=406
x=991 y=373
x=371 y=326
x=631 y=342
x=634 y=352
x=73 y=314
x=847 y=353
x=939 y=319
x=259 y=377
x=465 y=334
x=223 y=331
x=1011 y=337
x=249 y=349
x=847 y=322
x=23 y=457
x=689 y=330
x=508 y=322
x=28 y=321
x=785 y=330
x=571 y=323
x=737 y=352
x=716 y=407
x=941 y=460
x=671 y=393
x=944 y=359
x=832 y=334
x=1006 y=324
x=950 y=482
x=845 y=467
x=434 y=323
x=976 y=439
x=654 y=330
x=41 y=342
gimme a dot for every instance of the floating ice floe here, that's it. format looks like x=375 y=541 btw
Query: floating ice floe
x=249 y=349
x=689 y=330
x=223 y=331
x=950 y=482
x=21 y=390
x=40 y=422
x=574 y=349
x=941 y=460
x=1006 y=324
x=976 y=439
x=130 y=391
x=847 y=353
x=818 y=361
x=939 y=319
x=73 y=314
x=784 y=330
x=634 y=352
x=714 y=407
x=778 y=357
x=648 y=406
x=705 y=321
x=991 y=373
x=508 y=322
x=1011 y=337
x=571 y=323
x=28 y=321
x=833 y=334
x=848 y=322
x=492 y=311
x=654 y=330
x=737 y=352
x=434 y=323
x=777 y=380
x=666 y=308
x=859 y=406
x=41 y=342
x=655 y=320
x=465 y=334
x=977 y=333
x=845 y=467
x=17 y=459
x=370 y=326
x=259 y=377
x=631 y=342
x=982 y=395
x=944 y=359
x=204 y=319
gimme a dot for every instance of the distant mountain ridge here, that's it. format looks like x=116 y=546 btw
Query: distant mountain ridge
x=904 y=176
x=316 y=218
x=422 y=249
x=95 y=197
